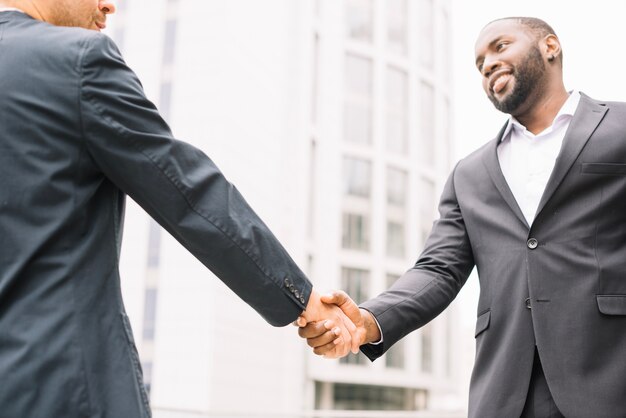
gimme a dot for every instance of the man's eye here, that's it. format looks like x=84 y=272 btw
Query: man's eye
x=500 y=45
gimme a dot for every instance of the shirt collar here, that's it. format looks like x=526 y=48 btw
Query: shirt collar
x=566 y=111
x=10 y=9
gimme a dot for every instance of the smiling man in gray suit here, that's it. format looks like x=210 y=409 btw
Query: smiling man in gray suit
x=541 y=212
x=76 y=134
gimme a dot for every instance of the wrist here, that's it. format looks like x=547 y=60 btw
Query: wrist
x=372 y=332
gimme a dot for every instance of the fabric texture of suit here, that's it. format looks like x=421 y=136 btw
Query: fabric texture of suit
x=77 y=134
x=570 y=264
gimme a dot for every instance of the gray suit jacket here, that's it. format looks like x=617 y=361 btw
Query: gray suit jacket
x=570 y=263
x=76 y=135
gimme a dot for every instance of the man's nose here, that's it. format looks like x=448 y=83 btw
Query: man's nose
x=489 y=66
x=106 y=7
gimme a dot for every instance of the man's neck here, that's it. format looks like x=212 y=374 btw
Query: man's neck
x=542 y=113
x=29 y=7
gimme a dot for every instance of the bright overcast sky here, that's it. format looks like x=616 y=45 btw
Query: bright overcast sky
x=592 y=36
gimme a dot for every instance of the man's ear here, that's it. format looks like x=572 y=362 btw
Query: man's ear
x=551 y=47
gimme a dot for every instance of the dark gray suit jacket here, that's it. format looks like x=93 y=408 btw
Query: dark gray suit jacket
x=570 y=263
x=76 y=135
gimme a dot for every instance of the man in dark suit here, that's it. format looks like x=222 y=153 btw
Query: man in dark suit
x=541 y=212
x=76 y=134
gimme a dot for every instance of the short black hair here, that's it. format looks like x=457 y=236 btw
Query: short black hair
x=538 y=27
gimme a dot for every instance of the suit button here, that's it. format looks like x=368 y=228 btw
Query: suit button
x=528 y=303
x=287 y=282
x=292 y=288
x=532 y=243
x=302 y=299
x=297 y=294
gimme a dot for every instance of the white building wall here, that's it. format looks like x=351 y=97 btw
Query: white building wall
x=244 y=88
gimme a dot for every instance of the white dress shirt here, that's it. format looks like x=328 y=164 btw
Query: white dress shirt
x=527 y=160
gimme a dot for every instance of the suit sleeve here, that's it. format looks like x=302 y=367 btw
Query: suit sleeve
x=181 y=188
x=431 y=285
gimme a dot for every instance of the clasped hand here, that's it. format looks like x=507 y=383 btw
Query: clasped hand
x=334 y=326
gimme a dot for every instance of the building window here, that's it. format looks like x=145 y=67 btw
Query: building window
x=147 y=375
x=154 y=244
x=427 y=124
x=427 y=348
x=396 y=212
x=360 y=20
x=397 y=26
x=394 y=357
x=169 y=41
x=395 y=239
x=426 y=33
x=358 y=100
x=396 y=186
x=357 y=176
x=149 y=313
x=426 y=207
x=312 y=188
x=341 y=396
x=356 y=283
x=445 y=33
x=397 y=111
x=355 y=234
x=165 y=99
x=315 y=63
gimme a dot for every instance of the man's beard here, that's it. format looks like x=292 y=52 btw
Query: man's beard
x=528 y=77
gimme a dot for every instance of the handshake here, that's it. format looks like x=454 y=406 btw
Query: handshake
x=334 y=326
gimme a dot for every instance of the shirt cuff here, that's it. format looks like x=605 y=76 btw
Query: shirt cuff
x=379 y=330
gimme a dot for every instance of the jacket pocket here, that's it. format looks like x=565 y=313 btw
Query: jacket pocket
x=136 y=365
x=615 y=169
x=612 y=304
x=482 y=322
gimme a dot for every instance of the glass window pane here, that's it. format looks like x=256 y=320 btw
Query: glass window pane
x=397 y=26
x=358 y=123
x=395 y=239
x=169 y=41
x=357 y=177
x=149 y=313
x=358 y=100
x=359 y=19
x=356 y=283
x=378 y=398
x=427 y=124
x=355 y=234
x=394 y=357
x=427 y=348
x=426 y=32
x=397 y=110
x=359 y=76
x=397 y=186
x=154 y=244
x=426 y=206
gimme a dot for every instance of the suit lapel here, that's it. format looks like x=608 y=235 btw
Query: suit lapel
x=583 y=124
x=490 y=159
